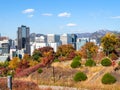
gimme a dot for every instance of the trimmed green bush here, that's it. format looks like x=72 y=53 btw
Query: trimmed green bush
x=75 y=64
x=106 y=62
x=56 y=60
x=108 y=79
x=80 y=76
x=40 y=70
x=119 y=63
x=90 y=63
x=78 y=58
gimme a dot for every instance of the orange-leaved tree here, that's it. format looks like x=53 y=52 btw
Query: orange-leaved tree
x=13 y=64
x=109 y=41
x=89 y=50
x=65 y=50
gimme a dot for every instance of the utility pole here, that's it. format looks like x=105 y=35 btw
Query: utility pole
x=9 y=81
x=53 y=74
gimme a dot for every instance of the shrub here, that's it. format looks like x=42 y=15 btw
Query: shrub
x=56 y=60
x=106 y=62
x=90 y=63
x=80 y=76
x=40 y=70
x=77 y=58
x=75 y=64
x=119 y=63
x=108 y=79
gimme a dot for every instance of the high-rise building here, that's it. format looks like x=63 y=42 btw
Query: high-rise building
x=51 y=38
x=40 y=38
x=80 y=42
x=74 y=39
x=66 y=39
x=4 y=45
x=32 y=37
x=23 y=38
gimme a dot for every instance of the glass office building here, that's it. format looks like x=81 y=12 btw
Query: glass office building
x=23 y=38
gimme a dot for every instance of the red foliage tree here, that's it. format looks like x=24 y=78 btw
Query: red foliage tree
x=71 y=55
x=22 y=65
x=44 y=50
x=30 y=70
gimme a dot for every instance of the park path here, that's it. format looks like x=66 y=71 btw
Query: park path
x=99 y=74
x=44 y=87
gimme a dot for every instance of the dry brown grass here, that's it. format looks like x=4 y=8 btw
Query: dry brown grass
x=18 y=85
x=96 y=86
x=64 y=77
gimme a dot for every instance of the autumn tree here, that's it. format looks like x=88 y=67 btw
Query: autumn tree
x=14 y=63
x=36 y=55
x=33 y=63
x=46 y=50
x=48 y=55
x=65 y=50
x=44 y=54
x=23 y=64
x=117 y=47
x=109 y=41
x=26 y=57
x=89 y=50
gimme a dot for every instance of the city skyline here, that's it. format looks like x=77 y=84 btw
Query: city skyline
x=58 y=16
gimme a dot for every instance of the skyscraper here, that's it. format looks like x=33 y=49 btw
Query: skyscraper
x=23 y=38
x=51 y=38
x=66 y=39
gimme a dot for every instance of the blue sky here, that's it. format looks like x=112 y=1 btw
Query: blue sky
x=59 y=16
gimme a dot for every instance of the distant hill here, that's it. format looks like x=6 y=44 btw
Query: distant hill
x=83 y=35
x=99 y=34
x=95 y=35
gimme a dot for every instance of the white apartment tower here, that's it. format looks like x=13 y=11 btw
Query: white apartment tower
x=66 y=39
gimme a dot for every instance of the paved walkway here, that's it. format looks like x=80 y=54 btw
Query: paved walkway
x=59 y=88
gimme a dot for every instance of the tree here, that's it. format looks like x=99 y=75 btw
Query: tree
x=36 y=55
x=71 y=55
x=109 y=41
x=14 y=63
x=44 y=55
x=89 y=50
x=26 y=57
x=46 y=50
x=117 y=46
x=33 y=63
x=23 y=64
x=64 y=50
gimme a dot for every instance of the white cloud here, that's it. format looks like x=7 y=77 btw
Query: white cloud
x=71 y=24
x=115 y=17
x=28 y=11
x=30 y=16
x=47 y=14
x=64 y=14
